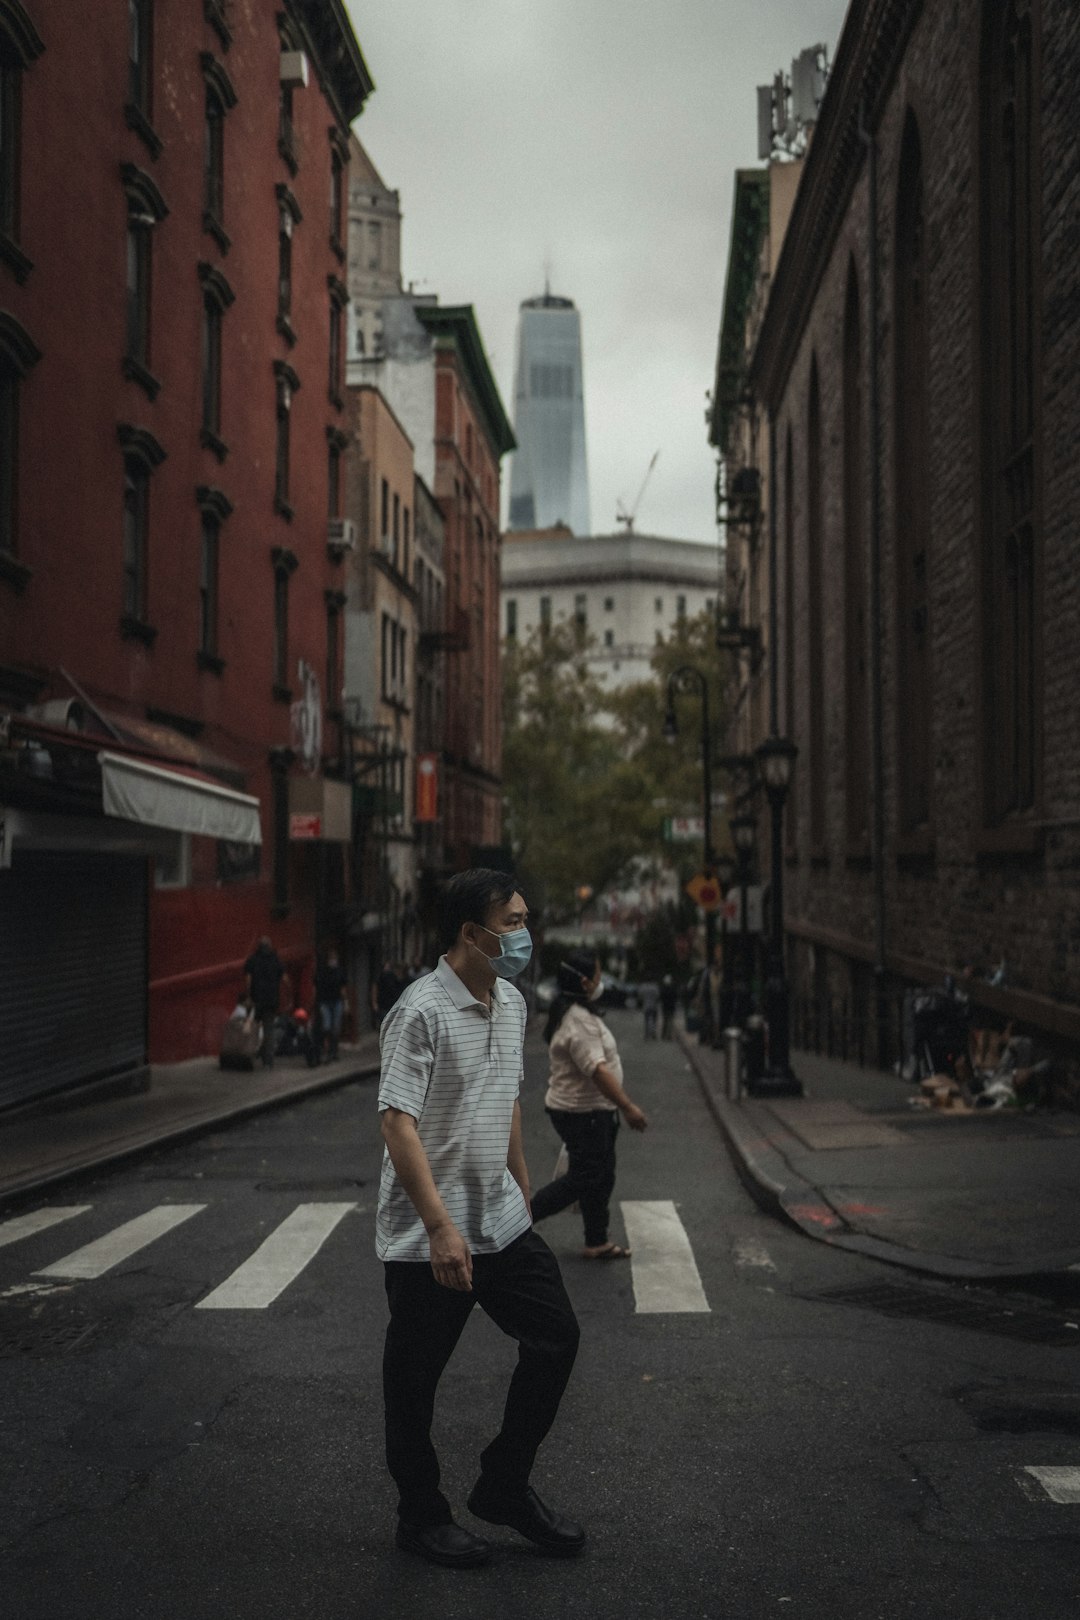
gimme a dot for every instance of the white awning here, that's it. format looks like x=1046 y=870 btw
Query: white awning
x=157 y=797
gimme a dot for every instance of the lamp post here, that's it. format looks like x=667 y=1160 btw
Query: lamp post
x=743 y=836
x=687 y=679
x=725 y=871
x=776 y=762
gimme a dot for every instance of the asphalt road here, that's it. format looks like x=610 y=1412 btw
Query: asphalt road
x=774 y=1453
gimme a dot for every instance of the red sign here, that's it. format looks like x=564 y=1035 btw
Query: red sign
x=305 y=824
x=427 y=787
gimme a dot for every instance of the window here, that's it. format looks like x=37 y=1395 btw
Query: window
x=138 y=108
x=285 y=565
x=396 y=529
x=337 y=206
x=1009 y=530
x=609 y=638
x=339 y=297
x=286 y=132
x=287 y=382
x=220 y=97
x=581 y=610
x=289 y=216
x=914 y=717
x=214 y=508
x=791 y=819
x=680 y=607
x=17 y=355
x=815 y=628
x=856 y=644
x=145 y=209
x=658 y=604
x=609 y=604
x=511 y=619
x=405 y=541
x=545 y=613
x=384 y=512
x=335 y=604
x=19 y=46
x=333 y=479
x=142 y=454
x=217 y=296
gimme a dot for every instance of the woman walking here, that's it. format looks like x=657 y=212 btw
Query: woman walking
x=584 y=1100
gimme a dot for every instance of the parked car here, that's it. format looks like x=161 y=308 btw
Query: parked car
x=620 y=992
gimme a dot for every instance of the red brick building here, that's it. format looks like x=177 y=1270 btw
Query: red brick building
x=914 y=369
x=171 y=368
x=471 y=435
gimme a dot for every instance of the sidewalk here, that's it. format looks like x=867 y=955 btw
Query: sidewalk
x=976 y=1195
x=38 y=1150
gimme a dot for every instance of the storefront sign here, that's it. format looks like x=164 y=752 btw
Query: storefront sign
x=304 y=824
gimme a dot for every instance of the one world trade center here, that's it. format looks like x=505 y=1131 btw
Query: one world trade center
x=549 y=480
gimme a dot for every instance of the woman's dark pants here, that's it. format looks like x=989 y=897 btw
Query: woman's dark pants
x=522 y=1291
x=590 y=1149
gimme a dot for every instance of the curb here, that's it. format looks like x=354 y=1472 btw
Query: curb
x=186 y=1127
x=780 y=1192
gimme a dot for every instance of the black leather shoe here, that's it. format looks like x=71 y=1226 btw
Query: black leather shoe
x=530 y=1518
x=445 y=1544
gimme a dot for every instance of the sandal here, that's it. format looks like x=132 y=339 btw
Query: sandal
x=609 y=1251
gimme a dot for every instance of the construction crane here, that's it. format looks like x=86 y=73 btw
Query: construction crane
x=621 y=514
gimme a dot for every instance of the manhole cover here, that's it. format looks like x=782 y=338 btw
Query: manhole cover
x=39 y=1339
x=981 y=1316
x=334 y=1184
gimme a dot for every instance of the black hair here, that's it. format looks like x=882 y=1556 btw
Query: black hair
x=575 y=967
x=471 y=897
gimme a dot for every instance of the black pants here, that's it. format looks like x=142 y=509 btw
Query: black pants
x=590 y=1148
x=522 y=1291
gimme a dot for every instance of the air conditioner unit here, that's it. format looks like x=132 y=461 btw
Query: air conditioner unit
x=294 y=70
x=341 y=534
x=66 y=714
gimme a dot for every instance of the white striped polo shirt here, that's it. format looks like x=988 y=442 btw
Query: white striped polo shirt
x=457 y=1069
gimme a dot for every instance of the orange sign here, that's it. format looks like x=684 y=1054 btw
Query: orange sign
x=427 y=787
x=705 y=891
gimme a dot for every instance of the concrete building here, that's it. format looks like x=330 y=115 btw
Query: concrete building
x=170 y=786
x=626 y=590
x=914 y=369
x=549 y=475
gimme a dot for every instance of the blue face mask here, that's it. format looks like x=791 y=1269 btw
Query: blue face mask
x=515 y=955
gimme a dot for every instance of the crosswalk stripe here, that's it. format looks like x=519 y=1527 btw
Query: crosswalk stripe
x=662 y=1262
x=39 y=1220
x=94 y=1259
x=277 y=1260
x=1060 y=1484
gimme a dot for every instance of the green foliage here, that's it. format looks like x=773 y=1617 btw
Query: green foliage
x=588 y=777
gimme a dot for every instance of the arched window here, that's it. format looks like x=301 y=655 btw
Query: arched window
x=914 y=709
x=814 y=609
x=1009 y=537
x=856 y=691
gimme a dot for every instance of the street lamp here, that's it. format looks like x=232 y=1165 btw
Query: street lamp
x=687 y=679
x=776 y=762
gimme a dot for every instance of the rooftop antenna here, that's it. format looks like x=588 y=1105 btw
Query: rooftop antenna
x=547 y=275
x=621 y=513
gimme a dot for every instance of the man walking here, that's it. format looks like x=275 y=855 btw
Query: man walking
x=264 y=975
x=454 y=1228
x=332 y=1003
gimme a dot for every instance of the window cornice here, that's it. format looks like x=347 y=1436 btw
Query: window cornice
x=19 y=32
x=287 y=198
x=217 y=79
x=285 y=374
x=335 y=437
x=17 y=347
x=338 y=290
x=140 y=442
x=142 y=189
x=285 y=561
x=215 y=501
x=215 y=285
x=216 y=14
x=339 y=140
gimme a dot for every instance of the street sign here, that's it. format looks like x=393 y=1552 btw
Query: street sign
x=731 y=908
x=705 y=891
x=684 y=829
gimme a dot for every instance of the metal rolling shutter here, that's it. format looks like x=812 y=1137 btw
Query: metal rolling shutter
x=72 y=971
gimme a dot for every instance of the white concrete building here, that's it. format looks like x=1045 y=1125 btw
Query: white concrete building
x=628 y=590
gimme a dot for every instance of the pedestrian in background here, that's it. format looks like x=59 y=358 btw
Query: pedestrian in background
x=332 y=1003
x=584 y=1099
x=264 y=972
x=385 y=991
x=669 y=1000
x=454 y=1230
x=649 y=996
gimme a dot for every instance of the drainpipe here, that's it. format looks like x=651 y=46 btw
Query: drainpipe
x=877 y=741
x=774 y=644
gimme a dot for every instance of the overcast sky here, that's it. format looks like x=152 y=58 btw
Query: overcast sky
x=600 y=137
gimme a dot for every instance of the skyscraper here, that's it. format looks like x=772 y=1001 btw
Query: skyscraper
x=549 y=479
